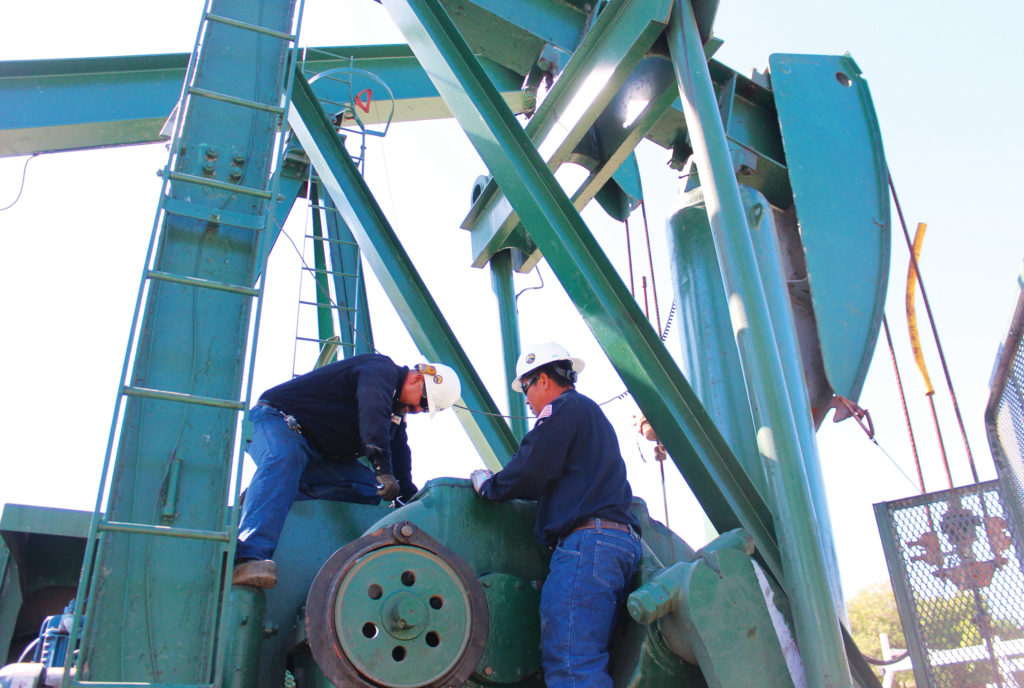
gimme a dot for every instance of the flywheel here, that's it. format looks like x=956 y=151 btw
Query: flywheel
x=396 y=609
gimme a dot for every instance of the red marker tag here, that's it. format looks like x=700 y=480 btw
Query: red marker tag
x=364 y=106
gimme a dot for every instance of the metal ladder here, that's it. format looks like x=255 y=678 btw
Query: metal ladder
x=258 y=223
x=337 y=293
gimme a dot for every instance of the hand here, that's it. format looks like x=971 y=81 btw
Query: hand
x=479 y=477
x=387 y=486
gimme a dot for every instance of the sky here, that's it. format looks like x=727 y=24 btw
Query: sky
x=942 y=81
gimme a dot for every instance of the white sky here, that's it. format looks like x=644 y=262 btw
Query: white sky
x=943 y=81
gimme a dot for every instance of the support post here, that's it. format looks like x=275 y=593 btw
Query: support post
x=504 y=290
x=817 y=625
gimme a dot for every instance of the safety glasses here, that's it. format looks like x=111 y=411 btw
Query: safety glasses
x=527 y=384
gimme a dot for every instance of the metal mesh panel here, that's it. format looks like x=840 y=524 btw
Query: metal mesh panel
x=1005 y=421
x=955 y=562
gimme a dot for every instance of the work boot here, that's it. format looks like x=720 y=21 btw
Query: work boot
x=259 y=573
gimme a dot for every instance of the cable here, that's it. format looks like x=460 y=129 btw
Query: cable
x=522 y=291
x=668 y=321
x=886 y=662
x=24 y=171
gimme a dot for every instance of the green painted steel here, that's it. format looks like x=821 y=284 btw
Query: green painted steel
x=612 y=47
x=508 y=317
x=382 y=249
x=402 y=612
x=71 y=104
x=806 y=582
x=349 y=284
x=640 y=358
x=512 y=651
x=10 y=603
x=710 y=360
x=324 y=314
x=765 y=241
x=837 y=169
x=190 y=346
x=734 y=644
x=243 y=636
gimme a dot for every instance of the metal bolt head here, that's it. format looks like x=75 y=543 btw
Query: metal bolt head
x=488 y=671
x=211 y=154
x=408 y=530
x=237 y=159
x=208 y=168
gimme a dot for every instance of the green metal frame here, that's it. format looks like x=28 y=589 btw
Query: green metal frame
x=396 y=272
x=634 y=349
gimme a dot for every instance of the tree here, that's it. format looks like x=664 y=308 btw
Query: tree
x=872 y=612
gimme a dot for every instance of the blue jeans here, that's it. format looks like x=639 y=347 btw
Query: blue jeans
x=579 y=603
x=288 y=469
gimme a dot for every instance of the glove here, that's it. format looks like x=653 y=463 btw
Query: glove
x=478 y=478
x=387 y=486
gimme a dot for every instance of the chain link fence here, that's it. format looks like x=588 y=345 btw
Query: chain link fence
x=955 y=562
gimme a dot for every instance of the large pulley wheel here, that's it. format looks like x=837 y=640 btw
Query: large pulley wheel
x=396 y=609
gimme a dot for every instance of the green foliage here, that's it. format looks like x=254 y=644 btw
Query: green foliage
x=872 y=612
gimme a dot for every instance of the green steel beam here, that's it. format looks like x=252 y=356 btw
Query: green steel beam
x=640 y=358
x=817 y=625
x=153 y=605
x=508 y=314
x=349 y=284
x=612 y=48
x=520 y=34
x=54 y=105
x=395 y=270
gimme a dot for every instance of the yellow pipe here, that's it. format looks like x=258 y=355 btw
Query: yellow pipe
x=915 y=338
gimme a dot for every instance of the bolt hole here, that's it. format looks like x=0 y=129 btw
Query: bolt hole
x=398 y=654
x=843 y=79
x=408 y=578
x=374 y=591
x=436 y=602
x=370 y=630
x=433 y=639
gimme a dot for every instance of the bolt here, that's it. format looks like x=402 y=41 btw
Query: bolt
x=238 y=159
x=208 y=169
x=235 y=175
x=408 y=530
x=488 y=671
x=211 y=154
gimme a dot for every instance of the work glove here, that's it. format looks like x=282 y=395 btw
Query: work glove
x=387 y=486
x=479 y=477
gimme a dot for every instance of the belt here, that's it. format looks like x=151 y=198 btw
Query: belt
x=603 y=524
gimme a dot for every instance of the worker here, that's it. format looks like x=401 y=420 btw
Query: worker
x=309 y=434
x=570 y=463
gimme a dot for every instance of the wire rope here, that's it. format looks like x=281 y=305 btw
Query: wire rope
x=21 y=187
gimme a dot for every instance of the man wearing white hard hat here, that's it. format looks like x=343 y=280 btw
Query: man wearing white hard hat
x=309 y=434
x=570 y=463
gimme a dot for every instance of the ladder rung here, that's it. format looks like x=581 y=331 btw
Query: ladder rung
x=330 y=272
x=343 y=242
x=146 y=393
x=224 y=186
x=208 y=214
x=232 y=100
x=317 y=303
x=250 y=27
x=201 y=283
x=164 y=531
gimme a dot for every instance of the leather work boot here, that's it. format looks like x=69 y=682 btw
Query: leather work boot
x=259 y=573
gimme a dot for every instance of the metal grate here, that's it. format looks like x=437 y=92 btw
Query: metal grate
x=955 y=562
x=1004 y=417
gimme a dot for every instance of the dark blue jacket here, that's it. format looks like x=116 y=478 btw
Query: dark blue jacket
x=570 y=463
x=345 y=410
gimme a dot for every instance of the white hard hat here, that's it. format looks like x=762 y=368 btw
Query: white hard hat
x=537 y=355
x=441 y=385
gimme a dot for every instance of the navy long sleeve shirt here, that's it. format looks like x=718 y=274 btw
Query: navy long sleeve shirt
x=570 y=463
x=345 y=410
